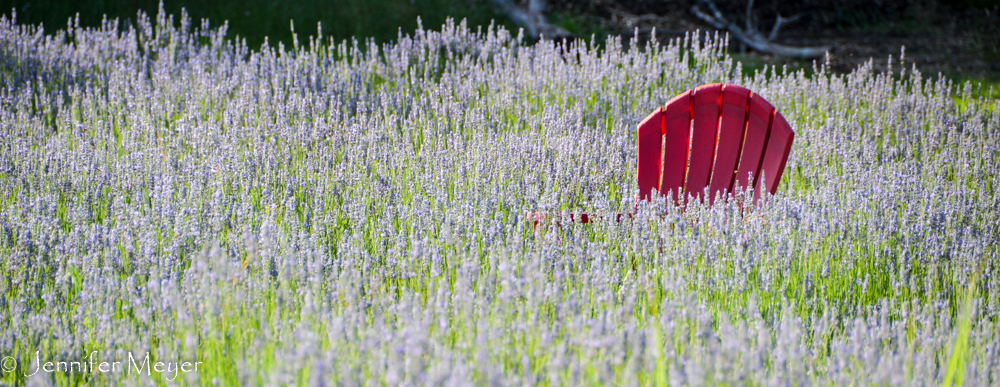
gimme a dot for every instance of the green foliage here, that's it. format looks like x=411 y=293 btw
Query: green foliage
x=256 y=19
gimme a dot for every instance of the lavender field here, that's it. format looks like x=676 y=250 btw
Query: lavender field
x=341 y=213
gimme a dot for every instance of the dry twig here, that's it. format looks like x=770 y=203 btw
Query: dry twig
x=751 y=37
x=533 y=19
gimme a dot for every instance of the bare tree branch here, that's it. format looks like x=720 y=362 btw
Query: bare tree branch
x=711 y=20
x=537 y=6
x=780 y=22
x=533 y=19
x=751 y=37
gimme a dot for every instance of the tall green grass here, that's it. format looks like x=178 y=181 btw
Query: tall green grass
x=346 y=215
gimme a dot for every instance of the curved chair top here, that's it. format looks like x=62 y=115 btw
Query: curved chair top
x=717 y=136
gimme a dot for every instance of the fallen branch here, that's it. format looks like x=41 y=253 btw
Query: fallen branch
x=751 y=37
x=651 y=32
x=780 y=22
x=533 y=19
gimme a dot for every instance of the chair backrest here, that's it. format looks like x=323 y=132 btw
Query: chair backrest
x=719 y=136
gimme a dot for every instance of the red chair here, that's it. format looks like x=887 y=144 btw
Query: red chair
x=719 y=136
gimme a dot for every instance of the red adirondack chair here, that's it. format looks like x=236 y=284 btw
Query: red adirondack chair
x=719 y=136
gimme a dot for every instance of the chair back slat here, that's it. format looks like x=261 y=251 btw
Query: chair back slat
x=649 y=137
x=676 y=135
x=732 y=125
x=779 y=144
x=758 y=126
x=704 y=131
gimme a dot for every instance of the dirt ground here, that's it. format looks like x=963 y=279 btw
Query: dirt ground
x=958 y=42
